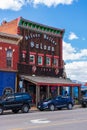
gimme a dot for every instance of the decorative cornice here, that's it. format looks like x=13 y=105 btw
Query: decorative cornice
x=9 y=38
x=39 y=27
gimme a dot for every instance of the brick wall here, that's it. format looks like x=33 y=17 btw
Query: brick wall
x=9 y=27
x=3 y=48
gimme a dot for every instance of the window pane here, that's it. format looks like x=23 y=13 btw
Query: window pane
x=9 y=58
x=48 y=61
x=32 y=59
x=55 y=62
x=9 y=53
x=39 y=60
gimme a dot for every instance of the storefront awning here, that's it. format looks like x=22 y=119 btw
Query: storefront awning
x=50 y=81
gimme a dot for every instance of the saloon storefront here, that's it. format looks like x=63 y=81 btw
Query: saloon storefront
x=45 y=87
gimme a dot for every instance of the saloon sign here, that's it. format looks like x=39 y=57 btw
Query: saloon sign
x=42 y=46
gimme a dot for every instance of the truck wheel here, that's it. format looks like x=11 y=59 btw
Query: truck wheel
x=69 y=106
x=25 y=108
x=1 y=110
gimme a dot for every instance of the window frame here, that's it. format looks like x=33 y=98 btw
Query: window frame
x=42 y=59
x=55 y=58
x=34 y=61
x=50 y=57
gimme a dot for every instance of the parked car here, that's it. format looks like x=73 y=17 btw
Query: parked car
x=57 y=102
x=83 y=101
x=16 y=102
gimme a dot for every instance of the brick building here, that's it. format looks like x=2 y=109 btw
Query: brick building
x=9 y=51
x=40 y=64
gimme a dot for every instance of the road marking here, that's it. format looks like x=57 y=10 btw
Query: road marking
x=40 y=121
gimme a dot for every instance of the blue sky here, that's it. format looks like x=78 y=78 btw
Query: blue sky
x=70 y=15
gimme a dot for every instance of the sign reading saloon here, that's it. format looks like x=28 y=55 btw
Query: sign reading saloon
x=41 y=46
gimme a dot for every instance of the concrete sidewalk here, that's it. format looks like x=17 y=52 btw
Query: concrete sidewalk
x=75 y=107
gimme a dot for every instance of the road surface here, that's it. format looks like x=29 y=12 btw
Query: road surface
x=75 y=119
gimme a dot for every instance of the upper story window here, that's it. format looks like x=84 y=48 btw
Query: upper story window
x=32 y=58
x=48 y=60
x=55 y=61
x=23 y=55
x=9 y=55
x=40 y=59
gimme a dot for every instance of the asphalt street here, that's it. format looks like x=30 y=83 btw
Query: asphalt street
x=47 y=120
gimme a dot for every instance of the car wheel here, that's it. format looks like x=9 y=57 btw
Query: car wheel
x=69 y=106
x=1 y=110
x=15 y=111
x=25 y=108
x=40 y=109
x=84 y=104
x=52 y=107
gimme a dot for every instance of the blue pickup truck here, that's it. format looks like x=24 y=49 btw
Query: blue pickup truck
x=16 y=102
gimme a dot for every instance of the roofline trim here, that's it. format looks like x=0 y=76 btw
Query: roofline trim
x=39 y=27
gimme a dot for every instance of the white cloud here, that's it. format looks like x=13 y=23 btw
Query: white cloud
x=52 y=2
x=73 y=36
x=17 y=4
x=12 y=4
x=76 y=62
x=77 y=70
x=70 y=53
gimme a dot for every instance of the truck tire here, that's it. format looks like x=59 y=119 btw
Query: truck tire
x=25 y=108
x=1 y=110
x=70 y=106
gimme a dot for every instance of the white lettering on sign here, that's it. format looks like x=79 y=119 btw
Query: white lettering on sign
x=37 y=46
x=32 y=44
x=41 y=46
x=46 y=37
x=45 y=47
x=49 y=48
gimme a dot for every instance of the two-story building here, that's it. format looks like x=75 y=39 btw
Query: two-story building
x=40 y=65
x=9 y=51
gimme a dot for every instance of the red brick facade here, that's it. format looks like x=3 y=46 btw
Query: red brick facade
x=9 y=42
x=3 y=48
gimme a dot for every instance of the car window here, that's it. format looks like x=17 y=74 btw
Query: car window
x=58 y=98
x=47 y=99
x=18 y=97
x=9 y=97
x=26 y=96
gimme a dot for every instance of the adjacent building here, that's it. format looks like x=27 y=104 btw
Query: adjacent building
x=9 y=51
